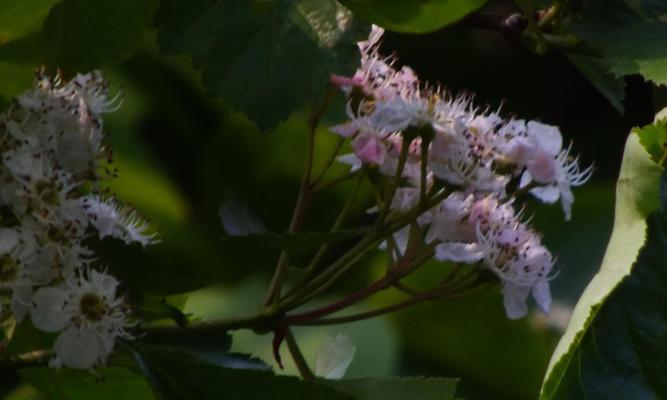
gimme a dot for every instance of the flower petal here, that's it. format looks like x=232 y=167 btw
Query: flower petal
x=514 y=300
x=47 y=314
x=79 y=348
x=334 y=356
x=459 y=252
x=542 y=295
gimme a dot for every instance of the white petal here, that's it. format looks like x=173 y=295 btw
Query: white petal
x=47 y=314
x=9 y=238
x=547 y=194
x=459 y=252
x=526 y=178
x=514 y=300
x=334 y=356
x=79 y=348
x=543 y=167
x=21 y=300
x=542 y=295
x=345 y=130
x=548 y=137
x=352 y=160
x=566 y=200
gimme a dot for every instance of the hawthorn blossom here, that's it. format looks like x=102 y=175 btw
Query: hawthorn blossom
x=481 y=160
x=112 y=219
x=51 y=154
x=89 y=315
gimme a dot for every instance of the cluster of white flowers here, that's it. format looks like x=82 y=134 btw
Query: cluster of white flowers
x=482 y=160
x=51 y=204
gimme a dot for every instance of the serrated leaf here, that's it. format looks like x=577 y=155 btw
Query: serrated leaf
x=206 y=348
x=636 y=198
x=79 y=35
x=265 y=58
x=108 y=384
x=624 y=352
x=417 y=388
x=413 y=16
x=654 y=139
x=631 y=35
x=176 y=375
x=598 y=74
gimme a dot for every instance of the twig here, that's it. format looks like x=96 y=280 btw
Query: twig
x=298 y=358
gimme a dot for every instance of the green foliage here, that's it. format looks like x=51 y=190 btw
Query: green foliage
x=175 y=374
x=413 y=16
x=111 y=384
x=654 y=139
x=19 y=18
x=74 y=35
x=266 y=58
x=80 y=35
x=596 y=71
x=636 y=198
x=630 y=33
x=626 y=340
x=398 y=388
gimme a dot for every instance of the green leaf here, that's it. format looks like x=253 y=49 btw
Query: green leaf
x=636 y=198
x=74 y=35
x=79 y=35
x=203 y=347
x=265 y=58
x=654 y=139
x=639 y=49
x=623 y=353
x=631 y=35
x=413 y=16
x=596 y=71
x=398 y=388
x=19 y=18
x=174 y=374
x=109 y=384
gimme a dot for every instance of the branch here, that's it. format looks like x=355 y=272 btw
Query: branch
x=36 y=358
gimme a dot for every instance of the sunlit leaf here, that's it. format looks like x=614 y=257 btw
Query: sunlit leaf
x=413 y=16
x=636 y=198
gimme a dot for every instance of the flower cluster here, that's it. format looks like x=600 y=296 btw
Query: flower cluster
x=439 y=144
x=53 y=160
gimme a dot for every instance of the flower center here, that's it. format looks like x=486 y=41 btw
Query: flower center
x=9 y=269
x=48 y=191
x=92 y=307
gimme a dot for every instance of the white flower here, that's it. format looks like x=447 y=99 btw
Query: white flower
x=522 y=263
x=334 y=356
x=89 y=315
x=452 y=160
x=559 y=177
x=112 y=219
x=21 y=269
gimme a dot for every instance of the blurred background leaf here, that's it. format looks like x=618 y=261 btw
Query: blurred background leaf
x=266 y=58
